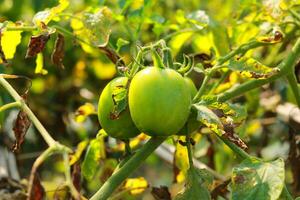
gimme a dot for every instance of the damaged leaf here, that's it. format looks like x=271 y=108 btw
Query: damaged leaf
x=20 y=128
x=251 y=68
x=58 y=52
x=37 y=44
x=37 y=191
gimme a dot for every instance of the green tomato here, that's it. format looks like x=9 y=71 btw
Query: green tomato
x=191 y=86
x=159 y=101
x=122 y=127
x=192 y=124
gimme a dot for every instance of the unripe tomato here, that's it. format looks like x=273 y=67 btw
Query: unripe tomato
x=159 y=101
x=191 y=86
x=122 y=127
x=192 y=124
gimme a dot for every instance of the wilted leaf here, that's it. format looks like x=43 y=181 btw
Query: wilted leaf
x=198 y=18
x=251 y=68
x=95 y=152
x=76 y=176
x=20 y=128
x=93 y=27
x=276 y=37
x=255 y=179
x=44 y=17
x=37 y=44
x=194 y=188
x=135 y=185
x=59 y=51
x=37 y=191
x=161 y=193
x=39 y=68
x=83 y=111
x=79 y=150
x=209 y=119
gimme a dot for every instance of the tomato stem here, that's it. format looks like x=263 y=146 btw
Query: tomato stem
x=122 y=173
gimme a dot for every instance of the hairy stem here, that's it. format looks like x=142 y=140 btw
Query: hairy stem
x=122 y=173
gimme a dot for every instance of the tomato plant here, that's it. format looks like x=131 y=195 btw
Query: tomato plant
x=91 y=90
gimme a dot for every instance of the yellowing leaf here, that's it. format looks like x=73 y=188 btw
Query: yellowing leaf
x=104 y=71
x=9 y=42
x=178 y=41
x=136 y=185
x=79 y=150
x=84 y=111
x=47 y=15
x=39 y=68
x=181 y=159
x=93 y=28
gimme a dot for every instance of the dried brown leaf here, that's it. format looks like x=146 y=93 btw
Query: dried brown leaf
x=37 y=44
x=58 y=52
x=161 y=193
x=37 y=191
x=20 y=128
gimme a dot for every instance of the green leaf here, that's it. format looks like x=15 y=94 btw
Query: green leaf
x=95 y=152
x=194 y=189
x=44 y=17
x=251 y=68
x=220 y=38
x=209 y=119
x=254 y=179
x=120 y=43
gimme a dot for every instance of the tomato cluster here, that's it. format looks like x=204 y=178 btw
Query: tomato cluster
x=159 y=102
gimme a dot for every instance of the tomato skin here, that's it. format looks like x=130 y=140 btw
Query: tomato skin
x=159 y=101
x=191 y=86
x=192 y=124
x=122 y=127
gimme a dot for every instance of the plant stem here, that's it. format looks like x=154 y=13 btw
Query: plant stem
x=122 y=173
x=21 y=28
x=223 y=77
x=69 y=181
x=16 y=104
x=286 y=67
x=294 y=85
x=49 y=140
x=286 y=193
x=202 y=88
x=189 y=150
x=241 y=50
x=240 y=152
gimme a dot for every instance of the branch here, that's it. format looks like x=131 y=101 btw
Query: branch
x=241 y=50
x=286 y=67
x=294 y=85
x=122 y=173
x=16 y=104
x=49 y=140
